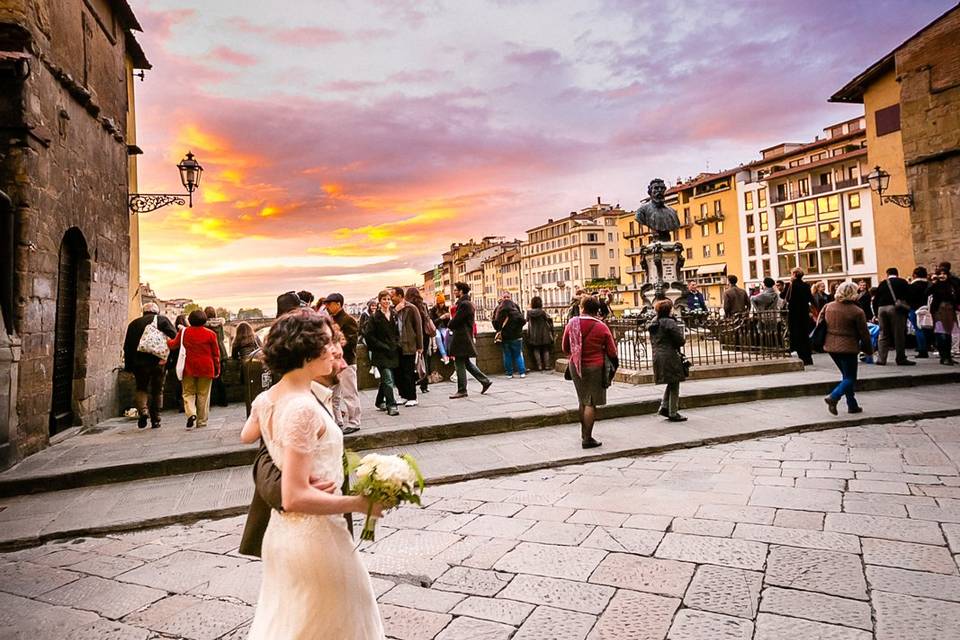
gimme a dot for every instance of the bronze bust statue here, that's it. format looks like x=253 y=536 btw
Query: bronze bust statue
x=656 y=215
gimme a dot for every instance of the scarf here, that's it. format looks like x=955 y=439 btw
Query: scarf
x=576 y=341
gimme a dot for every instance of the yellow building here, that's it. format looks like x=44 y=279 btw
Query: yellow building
x=878 y=91
x=632 y=237
x=710 y=231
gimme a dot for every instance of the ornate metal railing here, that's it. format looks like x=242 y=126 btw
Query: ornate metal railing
x=711 y=338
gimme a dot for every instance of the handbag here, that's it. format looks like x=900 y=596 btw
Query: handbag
x=430 y=328
x=924 y=317
x=686 y=364
x=900 y=305
x=182 y=355
x=818 y=337
x=421 y=366
x=610 y=366
x=153 y=341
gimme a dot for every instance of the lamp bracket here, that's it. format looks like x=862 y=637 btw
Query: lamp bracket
x=905 y=200
x=147 y=202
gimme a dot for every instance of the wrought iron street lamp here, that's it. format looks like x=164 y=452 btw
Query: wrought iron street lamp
x=879 y=181
x=190 y=173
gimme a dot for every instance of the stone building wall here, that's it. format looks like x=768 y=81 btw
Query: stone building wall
x=65 y=169
x=928 y=68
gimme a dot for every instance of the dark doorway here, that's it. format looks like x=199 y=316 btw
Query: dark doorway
x=73 y=251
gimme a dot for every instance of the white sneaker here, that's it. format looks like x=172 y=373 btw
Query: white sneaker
x=523 y=375
x=410 y=403
x=510 y=376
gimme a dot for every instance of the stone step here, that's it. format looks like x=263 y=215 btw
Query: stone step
x=32 y=519
x=401 y=434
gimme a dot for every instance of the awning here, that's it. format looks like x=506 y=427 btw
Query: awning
x=710 y=269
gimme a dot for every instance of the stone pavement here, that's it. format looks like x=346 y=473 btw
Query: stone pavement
x=116 y=450
x=846 y=534
x=30 y=519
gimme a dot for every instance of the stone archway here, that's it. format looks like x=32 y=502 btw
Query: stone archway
x=72 y=287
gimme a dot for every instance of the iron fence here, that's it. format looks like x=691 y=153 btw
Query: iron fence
x=711 y=338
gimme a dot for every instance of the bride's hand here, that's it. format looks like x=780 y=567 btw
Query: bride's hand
x=376 y=508
x=326 y=486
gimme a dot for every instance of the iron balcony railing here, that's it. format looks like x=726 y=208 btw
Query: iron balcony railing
x=711 y=338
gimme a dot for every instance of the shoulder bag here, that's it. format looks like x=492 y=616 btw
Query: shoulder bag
x=181 y=355
x=900 y=305
x=153 y=341
x=818 y=337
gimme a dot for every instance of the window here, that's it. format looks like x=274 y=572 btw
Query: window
x=686 y=215
x=631 y=229
x=720 y=249
x=704 y=230
x=609 y=237
x=806 y=212
x=748 y=201
x=853 y=200
x=703 y=210
x=858 y=256
x=803 y=187
x=830 y=234
x=613 y=272
x=784 y=216
x=787 y=262
x=706 y=251
x=887 y=119
x=856 y=229
x=766 y=268
x=750 y=225
x=716 y=207
x=831 y=261
x=764 y=245
x=751 y=247
x=593 y=254
x=762 y=197
x=594 y=271
x=764 y=221
x=687 y=233
x=786 y=241
x=807 y=237
x=612 y=254
x=810 y=262
x=591 y=237
x=689 y=254
x=753 y=270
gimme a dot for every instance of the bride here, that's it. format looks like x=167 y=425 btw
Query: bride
x=314 y=584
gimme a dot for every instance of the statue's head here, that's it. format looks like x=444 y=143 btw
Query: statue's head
x=657 y=190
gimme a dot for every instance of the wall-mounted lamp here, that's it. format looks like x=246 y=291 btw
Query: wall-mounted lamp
x=190 y=172
x=879 y=181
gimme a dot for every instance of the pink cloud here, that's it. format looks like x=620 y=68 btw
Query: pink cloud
x=232 y=56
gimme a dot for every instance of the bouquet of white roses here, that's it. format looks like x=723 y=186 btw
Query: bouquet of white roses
x=386 y=479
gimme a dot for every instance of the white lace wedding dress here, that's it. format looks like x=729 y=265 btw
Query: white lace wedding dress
x=314 y=584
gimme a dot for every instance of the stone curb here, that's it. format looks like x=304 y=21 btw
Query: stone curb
x=225 y=512
x=244 y=454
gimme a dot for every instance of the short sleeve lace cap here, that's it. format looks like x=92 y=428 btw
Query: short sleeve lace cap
x=299 y=423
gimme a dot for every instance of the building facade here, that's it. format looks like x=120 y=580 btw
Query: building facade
x=65 y=75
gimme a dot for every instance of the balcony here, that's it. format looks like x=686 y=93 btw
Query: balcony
x=716 y=216
x=819 y=189
x=846 y=184
x=632 y=252
x=635 y=269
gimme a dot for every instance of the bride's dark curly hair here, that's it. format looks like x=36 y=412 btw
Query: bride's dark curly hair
x=297 y=336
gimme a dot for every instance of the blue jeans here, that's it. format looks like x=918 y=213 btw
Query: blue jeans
x=847 y=363
x=513 y=354
x=441 y=341
x=918 y=332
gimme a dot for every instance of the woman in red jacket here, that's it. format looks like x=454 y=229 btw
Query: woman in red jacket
x=201 y=366
x=586 y=339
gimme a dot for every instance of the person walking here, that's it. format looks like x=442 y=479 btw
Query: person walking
x=798 y=300
x=428 y=330
x=944 y=295
x=735 y=299
x=440 y=314
x=919 y=284
x=847 y=336
x=462 y=346
x=892 y=307
x=666 y=339
x=508 y=322
x=586 y=340
x=147 y=369
x=245 y=342
x=218 y=390
x=346 y=395
x=314 y=582
x=411 y=344
x=540 y=337
x=382 y=338
x=201 y=367
x=178 y=324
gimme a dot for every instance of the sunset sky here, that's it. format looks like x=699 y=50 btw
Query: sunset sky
x=347 y=144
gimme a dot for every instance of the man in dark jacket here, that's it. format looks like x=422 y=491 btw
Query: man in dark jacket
x=508 y=320
x=735 y=299
x=918 y=298
x=462 y=346
x=695 y=299
x=864 y=299
x=411 y=344
x=147 y=369
x=892 y=307
x=346 y=397
x=799 y=298
x=218 y=390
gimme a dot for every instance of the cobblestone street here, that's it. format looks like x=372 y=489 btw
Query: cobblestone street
x=845 y=534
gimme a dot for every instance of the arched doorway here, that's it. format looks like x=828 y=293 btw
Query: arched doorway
x=73 y=251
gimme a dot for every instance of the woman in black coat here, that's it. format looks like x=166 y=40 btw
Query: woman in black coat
x=799 y=298
x=539 y=334
x=462 y=346
x=382 y=338
x=666 y=338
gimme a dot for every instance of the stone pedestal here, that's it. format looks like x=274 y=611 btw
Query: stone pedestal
x=662 y=262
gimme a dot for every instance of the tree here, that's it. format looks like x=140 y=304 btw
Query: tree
x=249 y=314
x=224 y=313
x=193 y=306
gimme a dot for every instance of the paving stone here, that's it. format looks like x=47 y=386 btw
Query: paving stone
x=828 y=540
x=452 y=522
x=408 y=518
x=61 y=558
x=774 y=627
x=456 y=505
x=242 y=583
x=635 y=616
x=487 y=554
x=774 y=481
x=914 y=583
x=884 y=527
x=900 y=616
x=724 y=590
x=191 y=618
x=756 y=515
x=907 y=555
x=602 y=518
x=496 y=527
x=557 y=533
x=852 y=503
x=833 y=484
x=878 y=486
x=463 y=627
x=741 y=554
x=790 y=519
x=952 y=531
x=109 y=630
x=831 y=572
x=181 y=571
x=817 y=606
x=478 y=582
x=381 y=586
x=26 y=619
x=108 y=598
x=152 y=551
x=496 y=609
x=536 y=497
x=411 y=542
x=691 y=624
x=949 y=513
x=504 y=509
x=667 y=577
x=555 y=592
x=701 y=527
x=648 y=521
x=420 y=570
x=574 y=563
x=408 y=595
x=31 y=580
x=800 y=499
x=410 y=624
x=640 y=541
x=547 y=513
x=547 y=623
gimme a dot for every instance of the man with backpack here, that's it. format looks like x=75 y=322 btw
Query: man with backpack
x=145 y=362
x=508 y=322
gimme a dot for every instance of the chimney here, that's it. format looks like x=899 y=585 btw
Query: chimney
x=598 y=199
